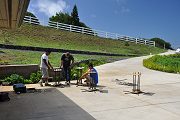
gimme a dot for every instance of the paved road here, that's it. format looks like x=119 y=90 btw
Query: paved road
x=160 y=100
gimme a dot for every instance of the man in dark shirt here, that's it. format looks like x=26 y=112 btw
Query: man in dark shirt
x=66 y=61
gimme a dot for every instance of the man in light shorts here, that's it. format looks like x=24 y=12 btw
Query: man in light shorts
x=44 y=66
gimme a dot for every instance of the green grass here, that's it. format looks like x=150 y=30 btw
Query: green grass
x=32 y=57
x=169 y=63
x=31 y=35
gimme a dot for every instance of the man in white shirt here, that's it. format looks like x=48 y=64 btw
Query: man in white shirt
x=44 y=66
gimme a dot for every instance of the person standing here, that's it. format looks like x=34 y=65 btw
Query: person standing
x=44 y=66
x=66 y=61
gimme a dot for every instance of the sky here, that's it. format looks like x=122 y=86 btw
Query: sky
x=135 y=18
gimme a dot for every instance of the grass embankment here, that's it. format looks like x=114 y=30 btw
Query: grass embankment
x=32 y=57
x=165 y=63
x=38 y=36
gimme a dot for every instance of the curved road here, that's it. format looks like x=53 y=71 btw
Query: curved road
x=160 y=100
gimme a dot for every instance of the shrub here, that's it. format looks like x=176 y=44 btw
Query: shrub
x=35 y=77
x=170 y=63
x=14 y=78
x=126 y=43
x=26 y=81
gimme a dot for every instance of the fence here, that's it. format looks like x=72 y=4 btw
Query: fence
x=88 y=31
x=31 y=20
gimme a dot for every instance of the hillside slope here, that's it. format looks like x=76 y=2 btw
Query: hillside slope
x=39 y=36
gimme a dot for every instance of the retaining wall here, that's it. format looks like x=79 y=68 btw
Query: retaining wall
x=23 y=70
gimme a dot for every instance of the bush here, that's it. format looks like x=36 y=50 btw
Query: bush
x=35 y=77
x=126 y=43
x=14 y=78
x=27 y=81
x=170 y=63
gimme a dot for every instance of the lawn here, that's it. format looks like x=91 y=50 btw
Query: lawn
x=32 y=57
x=166 y=63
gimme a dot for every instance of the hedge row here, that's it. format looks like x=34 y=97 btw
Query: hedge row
x=165 y=63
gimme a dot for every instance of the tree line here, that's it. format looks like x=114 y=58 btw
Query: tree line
x=161 y=43
x=72 y=19
x=66 y=18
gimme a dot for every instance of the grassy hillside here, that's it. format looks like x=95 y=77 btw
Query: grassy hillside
x=30 y=35
x=32 y=57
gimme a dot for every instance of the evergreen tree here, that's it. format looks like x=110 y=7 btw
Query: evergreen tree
x=74 y=16
x=65 y=18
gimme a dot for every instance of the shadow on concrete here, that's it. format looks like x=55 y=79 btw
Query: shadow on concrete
x=94 y=90
x=141 y=92
x=122 y=82
x=41 y=104
x=148 y=93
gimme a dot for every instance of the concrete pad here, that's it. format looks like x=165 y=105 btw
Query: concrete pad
x=47 y=104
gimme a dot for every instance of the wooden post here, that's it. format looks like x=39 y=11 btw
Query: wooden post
x=136 y=40
x=57 y=25
x=82 y=30
x=117 y=36
x=30 y=20
x=70 y=29
x=106 y=34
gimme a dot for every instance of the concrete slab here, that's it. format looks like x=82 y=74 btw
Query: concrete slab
x=46 y=104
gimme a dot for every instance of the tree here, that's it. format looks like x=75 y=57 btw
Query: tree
x=30 y=14
x=81 y=24
x=62 y=18
x=75 y=17
x=161 y=43
x=65 y=18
